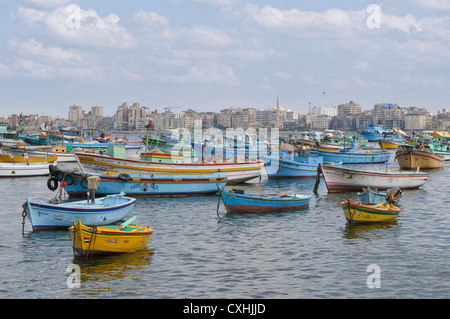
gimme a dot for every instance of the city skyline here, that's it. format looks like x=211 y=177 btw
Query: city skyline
x=209 y=55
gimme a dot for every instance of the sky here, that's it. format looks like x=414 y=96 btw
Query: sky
x=209 y=55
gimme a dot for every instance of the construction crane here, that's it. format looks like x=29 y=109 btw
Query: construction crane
x=168 y=108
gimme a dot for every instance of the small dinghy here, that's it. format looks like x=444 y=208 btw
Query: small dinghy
x=45 y=215
x=238 y=202
x=111 y=239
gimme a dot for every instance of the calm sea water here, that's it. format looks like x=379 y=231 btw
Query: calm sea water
x=197 y=251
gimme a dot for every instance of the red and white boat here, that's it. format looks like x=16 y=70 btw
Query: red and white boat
x=236 y=172
x=339 y=179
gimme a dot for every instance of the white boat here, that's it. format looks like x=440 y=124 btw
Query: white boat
x=339 y=179
x=45 y=215
x=9 y=137
x=60 y=152
x=236 y=172
x=24 y=169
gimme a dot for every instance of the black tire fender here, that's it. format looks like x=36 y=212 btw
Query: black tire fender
x=52 y=183
x=124 y=177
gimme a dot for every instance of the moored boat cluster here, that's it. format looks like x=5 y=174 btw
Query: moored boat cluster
x=105 y=183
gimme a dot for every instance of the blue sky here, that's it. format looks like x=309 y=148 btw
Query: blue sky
x=208 y=55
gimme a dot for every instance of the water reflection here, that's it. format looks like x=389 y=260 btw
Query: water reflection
x=369 y=231
x=105 y=275
x=118 y=264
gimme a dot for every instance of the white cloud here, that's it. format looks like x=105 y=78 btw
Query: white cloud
x=89 y=29
x=301 y=23
x=206 y=74
x=47 y=3
x=439 y=5
x=150 y=19
x=404 y=23
x=202 y=36
x=34 y=60
x=219 y=2
x=283 y=75
x=54 y=55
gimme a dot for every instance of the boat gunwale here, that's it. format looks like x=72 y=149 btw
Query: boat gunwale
x=54 y=207
x=399 y=173
x=176 y=164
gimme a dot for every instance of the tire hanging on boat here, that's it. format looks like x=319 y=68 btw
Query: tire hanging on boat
x=84 y=182
x=52 y=183
x=69 y=179
x=124 y=177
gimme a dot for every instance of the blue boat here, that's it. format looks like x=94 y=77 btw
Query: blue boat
x=302 y=166
x=229 y=152
x=137 y=184
x=355 y=156
x=374 y=133
x=45 y=215
x=372 y=197
x=238 y=202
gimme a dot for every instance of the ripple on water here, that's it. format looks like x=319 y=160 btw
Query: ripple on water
x=194 y=253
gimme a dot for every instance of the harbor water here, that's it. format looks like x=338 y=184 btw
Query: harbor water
x=199 y=251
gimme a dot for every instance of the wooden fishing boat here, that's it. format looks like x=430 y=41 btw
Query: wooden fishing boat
x=411 y=158
x=443 y=151
x=46 y=215
x=357 y=213
x=26 y=158
x=236 y=172
x=238 y=202
x=340 y=179
x=374 y=133
x=370 y=196
x=24 y=169
x=9 y=137
x=388 y=144
x=355 y=156
x=304 y=166
x=90 y=241
x=138 y=184
x=61 y=152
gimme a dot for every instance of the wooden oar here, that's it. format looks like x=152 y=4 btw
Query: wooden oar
x=126 y=223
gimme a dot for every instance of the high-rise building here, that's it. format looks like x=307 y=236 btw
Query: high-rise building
x=97 y=111
x=75 y=113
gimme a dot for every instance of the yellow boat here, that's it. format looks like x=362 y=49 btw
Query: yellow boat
x=105 y=240
x=410 y=158
x=357 y=213
x=6 y=158
x=385 y=143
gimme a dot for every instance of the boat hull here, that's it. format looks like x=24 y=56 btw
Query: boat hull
x=371 y=197
x=235 y=172
x=146 y=184
x=5 y=158
x=351 y=157
x=339 y=179
x=387 y=144
x=287 y=169
x=357 y=213
x=106 y=240
x=412 y=159
x=254 y=204
x=46 y=216
x=24 y=169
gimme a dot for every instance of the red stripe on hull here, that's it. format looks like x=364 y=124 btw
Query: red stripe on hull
x=349 y=188
x=249 y=209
